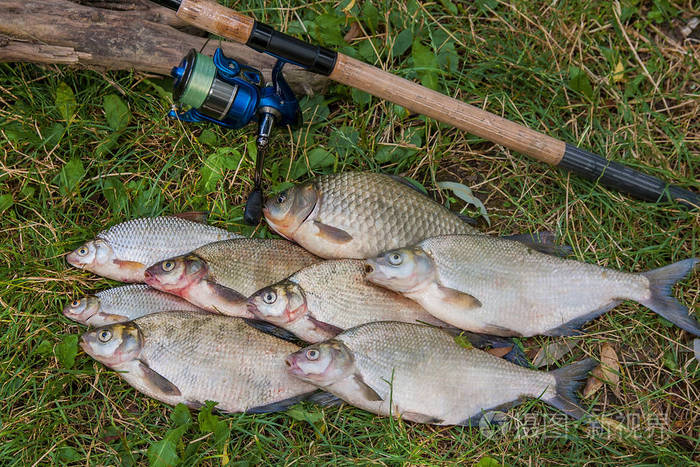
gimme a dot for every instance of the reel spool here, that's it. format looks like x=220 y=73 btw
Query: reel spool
x=222 y=91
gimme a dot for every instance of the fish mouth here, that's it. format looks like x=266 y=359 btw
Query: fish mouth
x=150 y=278
x=292 y=366
x=72 y=259
x=252 y=308
x=84 y=345
x=369 y=269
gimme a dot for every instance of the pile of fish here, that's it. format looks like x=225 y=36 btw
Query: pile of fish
x=407 y=308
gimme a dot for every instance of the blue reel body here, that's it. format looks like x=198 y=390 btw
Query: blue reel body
x=224 y=92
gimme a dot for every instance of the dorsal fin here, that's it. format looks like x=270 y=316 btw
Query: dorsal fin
x=200 y=217
x=405 y=181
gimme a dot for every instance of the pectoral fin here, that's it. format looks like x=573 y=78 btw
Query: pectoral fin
x=157 y=382
x=325 y=327
x=129 y=265
x=366 y=391
x=332 y=234
x=459 y=299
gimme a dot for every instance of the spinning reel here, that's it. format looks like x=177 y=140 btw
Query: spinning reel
x=220 y=90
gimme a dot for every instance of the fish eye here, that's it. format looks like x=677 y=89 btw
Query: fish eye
x=75 y=303
x=282 y=197
x=395 y=259
x=82 y=251
x=104 y=335
x=168 y=266
x=269 y=297
x=312 y=354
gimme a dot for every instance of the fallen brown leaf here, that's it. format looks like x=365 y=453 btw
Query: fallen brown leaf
x=606 y=372
x=354 y=32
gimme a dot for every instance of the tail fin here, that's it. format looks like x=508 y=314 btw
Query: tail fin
x=661 y=282
x=569 y=380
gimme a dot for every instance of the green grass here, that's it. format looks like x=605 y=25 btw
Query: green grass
x=68 y=168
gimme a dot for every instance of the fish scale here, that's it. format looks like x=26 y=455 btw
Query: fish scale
x=499 y=286
x=423 y=375
x=332 y=295
x=360 y=214
x=407 y=218
x=337 y=293
x=246 y=265
x=136 y=300
x=211 y=357
x=535 y=292
x=148 y=240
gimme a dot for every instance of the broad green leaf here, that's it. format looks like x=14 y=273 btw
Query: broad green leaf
x=447 y=57
x=300 y=414
x=366 y=51
x=116 y=112
x=106 y=145
x=344 y=141
x=44 y=348
x=449 y=6
x=215 y=166
x=487 y=461
x=114 y=192
x=578 y=81
x=68 y=454
x=163 y=453
x=485 y=5
x=464 y=193
x=402 y=43
x=370 y=15
x=463 y=341
x=314 y=108
x=326 y=28
x=6 y=202
x=210 y=423
x=360 y=97
x=66 y=350
x=65 y=101
x=319 y=158
x=53 y=134
x=208 y=137
x=206 y=419
x=181 y=415
x=69 y=176
x=426 y=64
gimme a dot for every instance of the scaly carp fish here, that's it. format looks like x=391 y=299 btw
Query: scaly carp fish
x=323 y=299
x=219 y=277
x=502 y=287
x=191 y=358
x=124 y=251
x=420 y=373
x=121 y=304
x=358 y=215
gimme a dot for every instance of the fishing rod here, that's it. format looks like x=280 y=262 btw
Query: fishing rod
x=225 y=22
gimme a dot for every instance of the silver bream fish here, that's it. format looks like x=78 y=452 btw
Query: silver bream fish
x=220 y=276
x=358 y=215
x=421 y=374
x=121 y=304
x=503 y=287
x=124 y=251
x=323 y=299
x=190 y=358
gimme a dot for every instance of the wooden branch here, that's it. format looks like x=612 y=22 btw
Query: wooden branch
x=119 y=35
